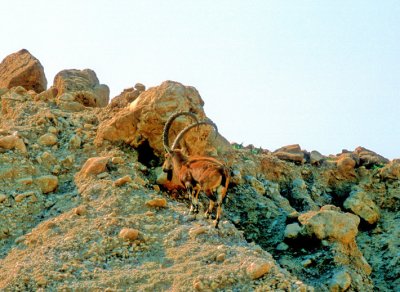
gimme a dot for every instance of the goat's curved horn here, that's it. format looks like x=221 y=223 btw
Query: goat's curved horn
x=188 y=128
x=168 y=126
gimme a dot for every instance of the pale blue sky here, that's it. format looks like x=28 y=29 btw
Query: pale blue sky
x=325 y=75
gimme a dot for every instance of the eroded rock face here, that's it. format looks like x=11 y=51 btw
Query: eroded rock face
x=146 y=116
x=22 y=69
x=80 y=86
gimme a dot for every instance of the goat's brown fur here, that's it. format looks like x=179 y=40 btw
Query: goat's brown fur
x=197 y=173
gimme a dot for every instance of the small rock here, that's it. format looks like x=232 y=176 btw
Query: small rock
x=258 y=269
x=129 y=234
x=102 y=175
x=316 y=158
x=282 y=246
x=71 y=106
x=2 y=198
x=158 y=202
x=220 y=257
x=52 y=130
x=80 y=210
x=193 y=232
x=94 y=166
x=292 y=230
x=48 y=139
x=117 y=160
x=75 y=142
x=306 y=263
x=341 y=281
x=140 y=87
x=123 y=180
x=47 y=183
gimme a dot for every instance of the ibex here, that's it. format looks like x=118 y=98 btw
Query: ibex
x=196 y=173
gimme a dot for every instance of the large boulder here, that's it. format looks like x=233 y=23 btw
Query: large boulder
x=143 y=121
x=361 y=204
x=292 y=153
x=329 y=223
x=369 y=158
x=80 y=86
x=22 y=69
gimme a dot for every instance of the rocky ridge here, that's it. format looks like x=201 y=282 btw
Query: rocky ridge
x=84 y=203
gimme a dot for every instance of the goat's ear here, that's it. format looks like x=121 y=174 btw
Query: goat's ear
x=169 y=174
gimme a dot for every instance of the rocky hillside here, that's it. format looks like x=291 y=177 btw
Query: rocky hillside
x=84 y=204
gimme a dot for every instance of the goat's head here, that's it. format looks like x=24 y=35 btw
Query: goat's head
x=177 y=154
x=168 y=163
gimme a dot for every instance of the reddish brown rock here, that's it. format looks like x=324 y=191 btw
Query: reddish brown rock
x=22 y=69
x=94 y=166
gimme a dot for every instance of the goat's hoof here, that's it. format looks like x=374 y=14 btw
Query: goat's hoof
x=216 y=223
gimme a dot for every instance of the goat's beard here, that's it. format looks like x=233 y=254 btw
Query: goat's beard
x=169 y=174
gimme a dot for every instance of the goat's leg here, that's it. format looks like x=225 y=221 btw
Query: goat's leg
x=210 y=209
x=220 y=195
x=196 y=191
x=189 y=190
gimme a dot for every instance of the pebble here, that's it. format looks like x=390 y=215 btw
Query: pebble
x=80 y=210
x=292 y=230
x=220 y=257
x=129 y=234
x=158 y=202
x=117 y=160
x=48 y=139
x=306 y=263
x=282 y=246
x=75 y=142
x=258 y=269
x=47 y=183
x=123 y=180
x=2 y=198
x=195 y=231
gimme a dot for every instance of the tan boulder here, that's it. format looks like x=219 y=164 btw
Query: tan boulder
x=13 y=142
x=369 y=158
x=361 y=204
x=391 y=171
x=292 y=153
x=22 y=69
x=83 y=87
x=345 y=165
x=331 y=224
x=146 y=116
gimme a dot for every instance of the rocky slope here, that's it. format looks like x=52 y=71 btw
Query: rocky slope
x=84 y=204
